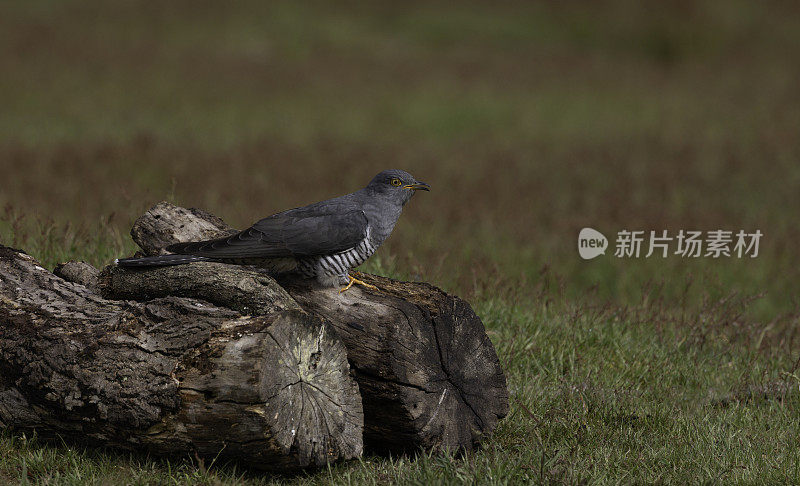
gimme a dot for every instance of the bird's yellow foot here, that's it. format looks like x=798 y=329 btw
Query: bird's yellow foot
x=353 y=280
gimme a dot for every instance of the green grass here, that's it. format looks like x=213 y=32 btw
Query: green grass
x=530 y=121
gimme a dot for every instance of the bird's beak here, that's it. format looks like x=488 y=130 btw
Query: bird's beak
x=418 y=186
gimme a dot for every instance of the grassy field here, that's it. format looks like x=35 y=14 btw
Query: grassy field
x=530 y=121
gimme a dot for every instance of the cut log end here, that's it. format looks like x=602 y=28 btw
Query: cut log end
x=279 y=394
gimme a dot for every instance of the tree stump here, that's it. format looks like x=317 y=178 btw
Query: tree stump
x=173 y=375
x=428 y=374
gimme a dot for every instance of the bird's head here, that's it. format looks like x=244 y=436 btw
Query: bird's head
x=396 y=185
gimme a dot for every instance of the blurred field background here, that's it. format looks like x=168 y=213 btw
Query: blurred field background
x=530 y=121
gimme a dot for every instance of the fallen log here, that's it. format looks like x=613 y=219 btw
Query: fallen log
x=172 y=375
x=428 y=374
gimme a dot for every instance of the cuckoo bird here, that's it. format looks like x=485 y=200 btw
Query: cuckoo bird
x=324 y=240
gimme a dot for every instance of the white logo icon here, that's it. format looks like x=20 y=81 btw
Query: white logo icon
x=591 y=243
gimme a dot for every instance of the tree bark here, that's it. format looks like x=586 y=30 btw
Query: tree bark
x=239 y=288
x=173 y=375
x=428 y=374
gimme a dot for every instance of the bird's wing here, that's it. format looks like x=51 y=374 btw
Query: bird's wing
x=291 y=233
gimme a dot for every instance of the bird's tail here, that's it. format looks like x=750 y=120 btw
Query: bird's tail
x=160 y=261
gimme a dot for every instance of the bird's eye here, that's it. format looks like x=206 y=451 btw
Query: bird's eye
x=395 y=182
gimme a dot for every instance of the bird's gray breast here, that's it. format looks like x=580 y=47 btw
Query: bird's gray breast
x=340 y=263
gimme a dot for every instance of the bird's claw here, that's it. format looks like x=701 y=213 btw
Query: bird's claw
x=353 y=280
